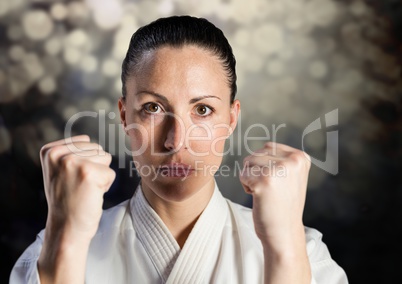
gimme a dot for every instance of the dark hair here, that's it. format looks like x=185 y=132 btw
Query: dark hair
x=178 y=31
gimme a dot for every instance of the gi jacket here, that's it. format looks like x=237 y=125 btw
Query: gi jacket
x=133 y=245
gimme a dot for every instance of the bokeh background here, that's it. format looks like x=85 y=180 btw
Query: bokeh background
x=297 y=60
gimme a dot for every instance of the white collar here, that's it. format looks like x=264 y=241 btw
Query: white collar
x=175 y=265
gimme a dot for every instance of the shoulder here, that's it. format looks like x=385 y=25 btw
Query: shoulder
x=324 y=269
x=114 y=217
x=316 y=248
x=241 y=215
x=243 y=218
x=240 y=210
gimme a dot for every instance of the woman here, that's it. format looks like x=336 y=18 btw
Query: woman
x=178 y=107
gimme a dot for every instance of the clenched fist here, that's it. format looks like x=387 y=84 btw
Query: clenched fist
x=276 y=176
x=76 y=175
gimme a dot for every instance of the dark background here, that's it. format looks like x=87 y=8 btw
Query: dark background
x=344 y=55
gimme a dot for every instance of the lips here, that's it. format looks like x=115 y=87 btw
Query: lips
x=175 y=170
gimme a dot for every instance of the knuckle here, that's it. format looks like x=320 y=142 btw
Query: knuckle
x=108 y=178
x=272 y=146
x=298 y=158
x=111 y=174
x=259 y=187
x=295 y=158
x=53 y=152
x=85 y=171
x=246 y=160
x=68 y=162
x=46 y=150
x=269 y=144
x=280 y=164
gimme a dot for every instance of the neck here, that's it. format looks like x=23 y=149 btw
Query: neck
x=180 y=216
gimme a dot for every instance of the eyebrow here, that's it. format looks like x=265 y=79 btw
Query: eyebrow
x=196 y=99
x=163 y=98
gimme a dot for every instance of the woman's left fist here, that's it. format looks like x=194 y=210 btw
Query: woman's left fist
x=276 y=176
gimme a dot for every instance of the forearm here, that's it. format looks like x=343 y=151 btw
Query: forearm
x=63 y=259
x=287 y=262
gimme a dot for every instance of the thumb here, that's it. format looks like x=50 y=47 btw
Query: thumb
x=245 y=181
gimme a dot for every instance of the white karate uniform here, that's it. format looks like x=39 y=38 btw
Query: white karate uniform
x=133 y=245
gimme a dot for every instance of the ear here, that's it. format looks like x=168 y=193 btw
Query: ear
x=122 y=110
x=234 y=115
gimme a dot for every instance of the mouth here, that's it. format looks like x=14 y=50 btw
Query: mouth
x=175 y=170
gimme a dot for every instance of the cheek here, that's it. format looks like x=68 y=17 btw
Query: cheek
x=221 y=135
x=207 y=139
x=139 y=139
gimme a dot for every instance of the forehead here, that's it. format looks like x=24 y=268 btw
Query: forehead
x=187 y=70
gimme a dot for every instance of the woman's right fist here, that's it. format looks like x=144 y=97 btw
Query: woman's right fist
x=76 y=174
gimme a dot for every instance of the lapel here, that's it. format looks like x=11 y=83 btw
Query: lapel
x=201 y=244
x=189 y=264
x=159 y=243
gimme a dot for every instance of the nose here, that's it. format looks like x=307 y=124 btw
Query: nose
x=175 y=134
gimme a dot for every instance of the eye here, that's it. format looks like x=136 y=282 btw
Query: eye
x=203 y=110
x=152 y=108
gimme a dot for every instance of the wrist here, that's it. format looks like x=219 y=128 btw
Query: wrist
x=286 y=259
x=63 y=252
x=64 y=232
x=284 y=244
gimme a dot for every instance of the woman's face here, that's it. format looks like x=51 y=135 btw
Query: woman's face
x=177 y=113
